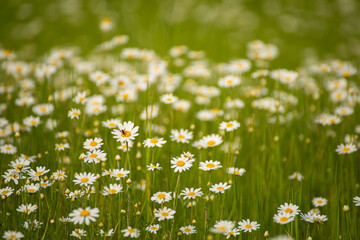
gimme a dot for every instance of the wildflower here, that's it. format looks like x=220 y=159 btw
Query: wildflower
x=164 y=213
x=78 y=233
x=152 y=142
x=248 y=226
x=181 y=164
x=32 y=188
x=112 y=189
x=93 y=144
x=152 y=167
x=236 y=171
x=190 y=229
x=161 y=197
x=112 y=123
x=319 y=202
x=291 y=209
x=182 y=135
x=6 y=192
x=87 y=215
x=191 y=193
x=12 y=235
x=119 y=173
x=296 y=176
x=153 y=228
x=220 y=187
x=168 y=98
x=131 y=232
x=232 y=232
x=127 y=132
x=210 y=165
x=283 y=218
x=27 y=208
x=74 y=113
x=229 y=81
x=95 y=156
x=61 y=146
x=222 y=226
x=212 y=140
x=8 y=149
x=346 y=148
x=229 y=126
x=85 y=179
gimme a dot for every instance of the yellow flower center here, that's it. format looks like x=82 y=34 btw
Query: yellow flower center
x=93 y=143
x=161 y=196
x=319 y=201
x=94 y=155
x=220 y=188
x=31 y=190
x=346 y=149
x=283 y=219
x=154 y=140
x=181 y=136
x=127 y=134
x=111 y=124
x=38 y=173
x=229 y=125
x=187 y=230
x=210 y=165
x=288 y=210
x=5 y=192
x=153 y=228
x=248 y=226
x=32 y=122
x=165 y=214
x=84 y=213
x=211 y=142
x=120 y=174
x=84 y=180
x=180 y=163
x=191 y=194
x=131 y=230
x=112 y=191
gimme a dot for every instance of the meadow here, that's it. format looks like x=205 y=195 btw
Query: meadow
x=174 y=121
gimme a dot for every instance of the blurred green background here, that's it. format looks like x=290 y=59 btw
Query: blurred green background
x=301 y=29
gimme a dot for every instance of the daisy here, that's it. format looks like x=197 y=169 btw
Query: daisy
x=39 y=172
x=320 y=218
x=85 y=179
x=222 y=226
x=190 y=229
x=119 y=173
x=220 y=187
x=12 y=235
x=59 y=175
x=95 y=156
x=232 y=232
x=346 y=148
x=153 y=228
x=210 y=165
x=308 y=217
x=182 y=135
x=152 y=142
x=291 y=209
x=78 y=233
x=127 y=132
x=344 y=111
x=31 y=121
x=87 y=215
x=152 y=167
x=181 y=164
x=80 y=98
x=27 y=208
x=74 y=113
x=283 y=218
x=131 y=232
x=161 y=197
x=93 y=144
x=191 y=193
x=229 y=126
x=356 y=200
x=319 y=202
x=112 y=189
x=164 y=213
x=6 y=192
x=8 y=149
x=45 y=184
x=296 y=176
x=106 y=234
x=236 y=171
x=32 y=188
x=229 y=81
x=168 y=98
x=248 y=226
x=212 y=140
x=61 y=146
x=112 y=123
